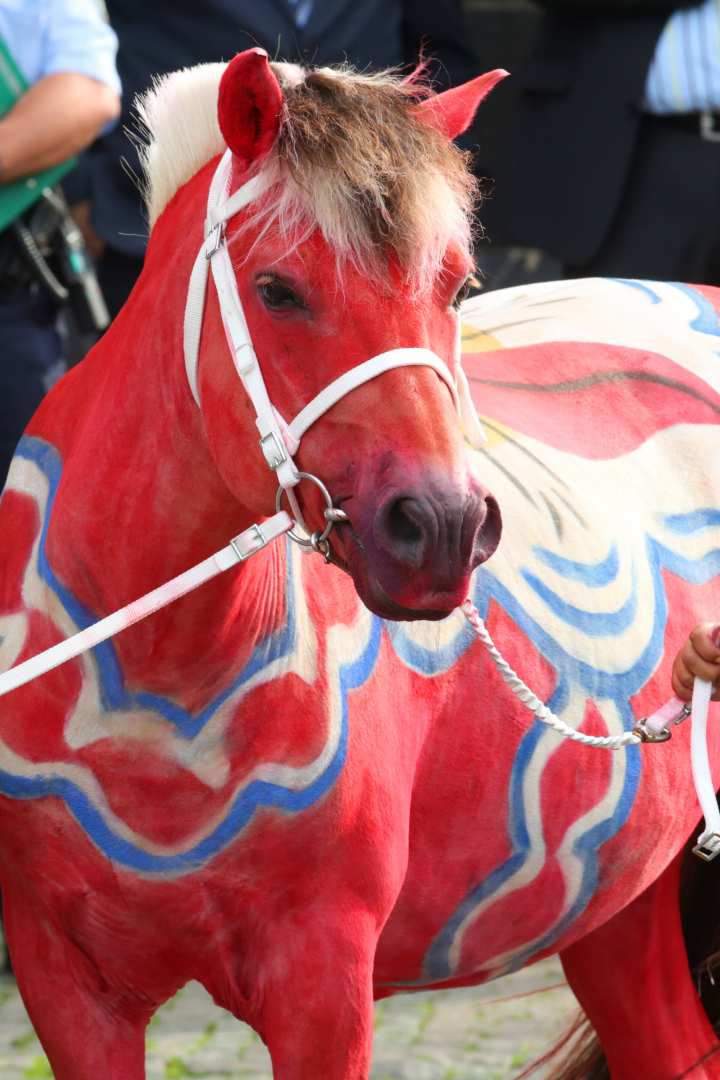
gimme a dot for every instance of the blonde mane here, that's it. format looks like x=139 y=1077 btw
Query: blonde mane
x=179 y=131
x=352 y=158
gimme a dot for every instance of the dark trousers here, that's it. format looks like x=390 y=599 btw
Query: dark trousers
x=117 y=274
x=30 y=361
x=668 y=223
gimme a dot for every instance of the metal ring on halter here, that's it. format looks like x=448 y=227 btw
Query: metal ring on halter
x=317 y=541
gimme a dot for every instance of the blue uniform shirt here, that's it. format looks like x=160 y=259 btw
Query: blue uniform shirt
x=685 y=72
x=47 y=37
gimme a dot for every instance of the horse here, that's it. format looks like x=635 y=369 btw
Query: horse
x=304 y=784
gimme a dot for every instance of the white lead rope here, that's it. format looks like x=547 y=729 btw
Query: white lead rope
x=240 y=548
x=531 y=701
x=655 y=728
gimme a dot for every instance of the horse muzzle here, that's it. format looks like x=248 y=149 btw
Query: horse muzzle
x=412 y=553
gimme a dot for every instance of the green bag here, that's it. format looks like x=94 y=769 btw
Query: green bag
x=18 y=195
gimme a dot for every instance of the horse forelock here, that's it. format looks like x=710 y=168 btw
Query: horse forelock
x=353 y=158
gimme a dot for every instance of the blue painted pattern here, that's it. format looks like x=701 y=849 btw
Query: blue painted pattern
x=113 y=692
x=697 y=520
x=618 y=688
x=578 y=678
x=256 y=795
x=705 y=322
x=592 y=574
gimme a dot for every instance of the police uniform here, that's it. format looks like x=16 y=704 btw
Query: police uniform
x=44 y=37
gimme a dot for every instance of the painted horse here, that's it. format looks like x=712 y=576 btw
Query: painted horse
x=304 y=784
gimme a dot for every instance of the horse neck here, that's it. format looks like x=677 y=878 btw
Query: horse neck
x=140 y=498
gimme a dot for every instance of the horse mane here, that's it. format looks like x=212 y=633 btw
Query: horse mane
x=352 y=158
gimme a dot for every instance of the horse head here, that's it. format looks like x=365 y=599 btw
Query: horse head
x=347 y=230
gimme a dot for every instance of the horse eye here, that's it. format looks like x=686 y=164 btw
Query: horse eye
x=276 y=295
x=463 y=292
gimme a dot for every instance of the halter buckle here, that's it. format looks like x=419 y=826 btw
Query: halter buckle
x=273 y=450
x=709 y=849
x=256 y=538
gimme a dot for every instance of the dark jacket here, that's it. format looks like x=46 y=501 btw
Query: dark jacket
x=562 y=165
x=168 y=34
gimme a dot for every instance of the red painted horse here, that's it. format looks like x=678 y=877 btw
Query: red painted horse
x=284 y=785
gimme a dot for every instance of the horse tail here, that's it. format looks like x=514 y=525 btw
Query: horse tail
x=578 y=1054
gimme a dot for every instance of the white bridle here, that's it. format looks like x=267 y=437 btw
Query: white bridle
x=279 y=440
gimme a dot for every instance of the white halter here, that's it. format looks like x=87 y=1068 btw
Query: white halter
x=279 y=440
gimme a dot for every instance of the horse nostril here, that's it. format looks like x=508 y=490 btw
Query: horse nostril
x=403 y=530
x=400 y=522
x=445 y=532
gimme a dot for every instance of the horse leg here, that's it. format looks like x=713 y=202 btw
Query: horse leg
x=633 y=980
x=316 y=1015
x=87 y=1030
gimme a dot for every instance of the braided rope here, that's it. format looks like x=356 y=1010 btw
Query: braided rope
x=533 y=703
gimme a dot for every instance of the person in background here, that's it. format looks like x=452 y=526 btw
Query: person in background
x=612 y=160
x=171 y=34
x=66 y=53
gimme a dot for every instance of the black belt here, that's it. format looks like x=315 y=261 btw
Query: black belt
x=705 y=124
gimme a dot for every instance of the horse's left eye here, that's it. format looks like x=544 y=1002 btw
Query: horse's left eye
x=463 y=292
x=277 y=295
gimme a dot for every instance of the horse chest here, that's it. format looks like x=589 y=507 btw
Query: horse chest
x=157 y=789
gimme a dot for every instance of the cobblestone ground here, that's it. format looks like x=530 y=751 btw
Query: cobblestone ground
x=454 y=1035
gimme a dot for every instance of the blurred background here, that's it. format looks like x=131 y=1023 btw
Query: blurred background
x=503 y=33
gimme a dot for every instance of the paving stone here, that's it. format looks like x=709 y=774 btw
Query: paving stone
x=454 y=1035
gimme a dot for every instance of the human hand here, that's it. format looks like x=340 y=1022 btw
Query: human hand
x=699 y=656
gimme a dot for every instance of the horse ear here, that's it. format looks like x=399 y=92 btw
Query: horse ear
x=249 y=105
x=453 y=111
